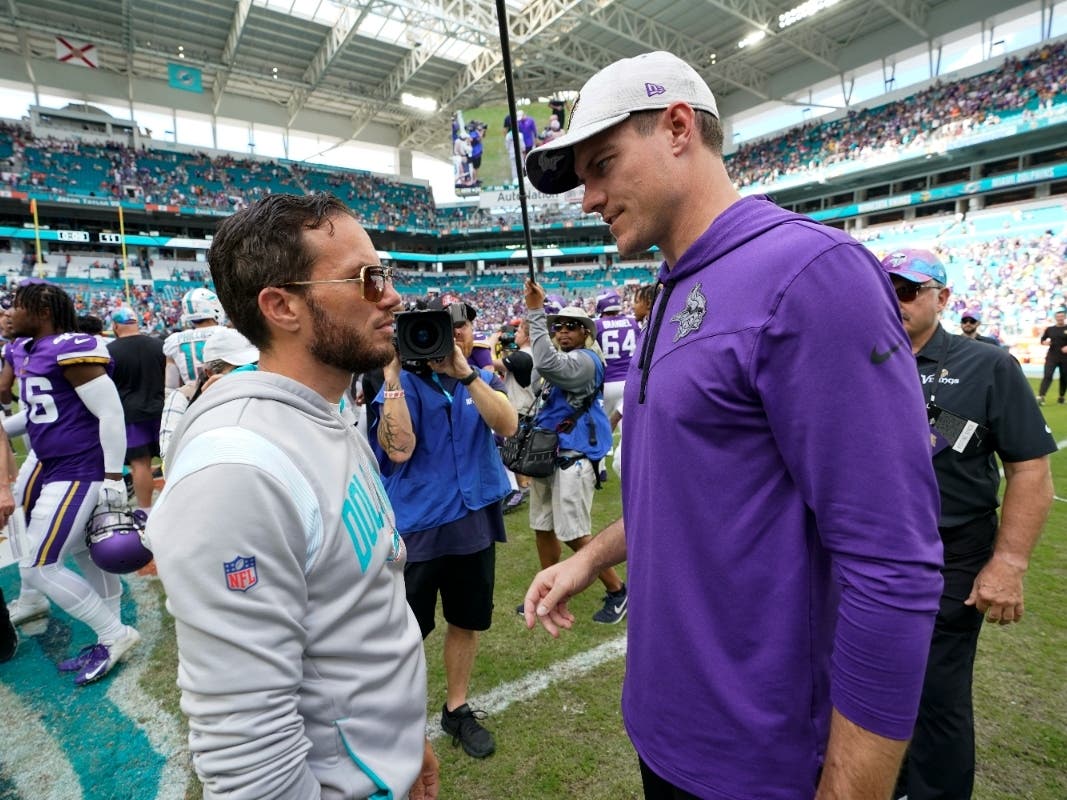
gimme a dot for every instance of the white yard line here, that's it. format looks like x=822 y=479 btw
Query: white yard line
x=529 y=686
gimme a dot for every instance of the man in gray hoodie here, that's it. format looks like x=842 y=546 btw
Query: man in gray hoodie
x=301 y=666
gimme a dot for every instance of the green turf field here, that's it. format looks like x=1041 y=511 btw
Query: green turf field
x=560 y=734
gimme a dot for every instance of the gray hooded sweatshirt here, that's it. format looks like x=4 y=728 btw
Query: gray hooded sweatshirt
x=300 y=665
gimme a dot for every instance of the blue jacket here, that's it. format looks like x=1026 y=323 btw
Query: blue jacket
x=455 y=468
x=591 y=433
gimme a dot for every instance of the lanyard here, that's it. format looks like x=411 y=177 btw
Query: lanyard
x=937 y=371
x=447 y=394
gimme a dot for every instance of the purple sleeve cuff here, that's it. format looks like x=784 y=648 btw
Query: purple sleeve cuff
x=878 y=664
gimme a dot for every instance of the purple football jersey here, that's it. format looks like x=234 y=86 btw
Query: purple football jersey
x=617 y=337
x=57 y=421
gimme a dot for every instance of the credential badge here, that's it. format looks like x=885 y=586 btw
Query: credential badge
x=691 y=317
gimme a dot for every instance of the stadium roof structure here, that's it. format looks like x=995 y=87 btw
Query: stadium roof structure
x=340 y=67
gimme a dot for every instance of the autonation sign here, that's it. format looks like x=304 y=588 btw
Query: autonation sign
x=507 y=197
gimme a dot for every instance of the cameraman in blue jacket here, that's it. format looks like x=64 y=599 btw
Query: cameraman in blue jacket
x=433 y=438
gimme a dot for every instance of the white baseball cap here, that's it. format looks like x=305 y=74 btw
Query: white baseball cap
x=643 y=83
x=226 y=344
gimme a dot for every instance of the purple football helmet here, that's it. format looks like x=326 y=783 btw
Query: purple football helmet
x=114 y=540
x=607 y=302
x=554 y=303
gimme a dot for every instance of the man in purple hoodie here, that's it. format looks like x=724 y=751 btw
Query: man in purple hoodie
x=780 y=506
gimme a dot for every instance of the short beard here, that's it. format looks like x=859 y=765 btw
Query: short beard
x=341 y=348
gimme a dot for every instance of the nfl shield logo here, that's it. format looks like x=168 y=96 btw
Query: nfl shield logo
x=241 y=573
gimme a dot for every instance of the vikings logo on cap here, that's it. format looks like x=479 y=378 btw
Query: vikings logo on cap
x=915 y=265
x=241 y=574
x=608 y=302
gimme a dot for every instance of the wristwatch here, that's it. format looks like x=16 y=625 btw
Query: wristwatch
x=469 y=379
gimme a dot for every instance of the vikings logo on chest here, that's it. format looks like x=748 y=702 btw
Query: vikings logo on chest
x=691 y=317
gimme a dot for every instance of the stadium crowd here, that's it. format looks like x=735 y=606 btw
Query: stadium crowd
x=943 y=111
x=1015 y=283
x=225 y=182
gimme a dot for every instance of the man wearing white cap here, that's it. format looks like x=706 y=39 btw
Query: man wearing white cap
x=781 y=539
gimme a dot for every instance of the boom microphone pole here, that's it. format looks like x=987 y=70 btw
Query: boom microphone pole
x=509 y=84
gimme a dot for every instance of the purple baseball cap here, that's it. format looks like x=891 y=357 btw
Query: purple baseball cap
x=607 y=302
x=554 y=303
x=917 y=266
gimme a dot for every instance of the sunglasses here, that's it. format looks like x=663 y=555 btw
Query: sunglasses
x=374 y=278
x=909 y=291
x=568 y=325
x=968 y=321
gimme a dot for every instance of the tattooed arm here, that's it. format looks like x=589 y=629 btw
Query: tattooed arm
x=395 y=434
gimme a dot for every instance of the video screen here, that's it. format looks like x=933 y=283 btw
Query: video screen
x=482 y=145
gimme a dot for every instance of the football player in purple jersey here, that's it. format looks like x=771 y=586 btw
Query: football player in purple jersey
x=73 y=417
x=616 y=333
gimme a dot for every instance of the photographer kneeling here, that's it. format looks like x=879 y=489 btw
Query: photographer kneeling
x=433 y=439
x=572 y=380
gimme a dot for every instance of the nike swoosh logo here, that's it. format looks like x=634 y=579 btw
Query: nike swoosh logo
x=617 y=609
x=96 y=673
x=879 y=358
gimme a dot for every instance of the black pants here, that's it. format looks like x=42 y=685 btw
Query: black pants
x=1050 y=370
x=940 y=760
x=656 y=788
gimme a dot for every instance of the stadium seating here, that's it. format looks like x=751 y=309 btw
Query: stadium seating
x=1007 y=261
x=224 y=182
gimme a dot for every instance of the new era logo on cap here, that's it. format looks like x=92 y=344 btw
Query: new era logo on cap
x=652 y=89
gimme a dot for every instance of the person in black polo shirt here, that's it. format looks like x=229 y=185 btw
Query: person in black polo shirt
x=980 y=406
x=1055 y=336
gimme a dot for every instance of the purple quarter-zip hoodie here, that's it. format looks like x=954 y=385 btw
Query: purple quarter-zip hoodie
x=781 y=509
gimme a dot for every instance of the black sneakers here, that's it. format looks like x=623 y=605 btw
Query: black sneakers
x=614 y=607
x=463 y=726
